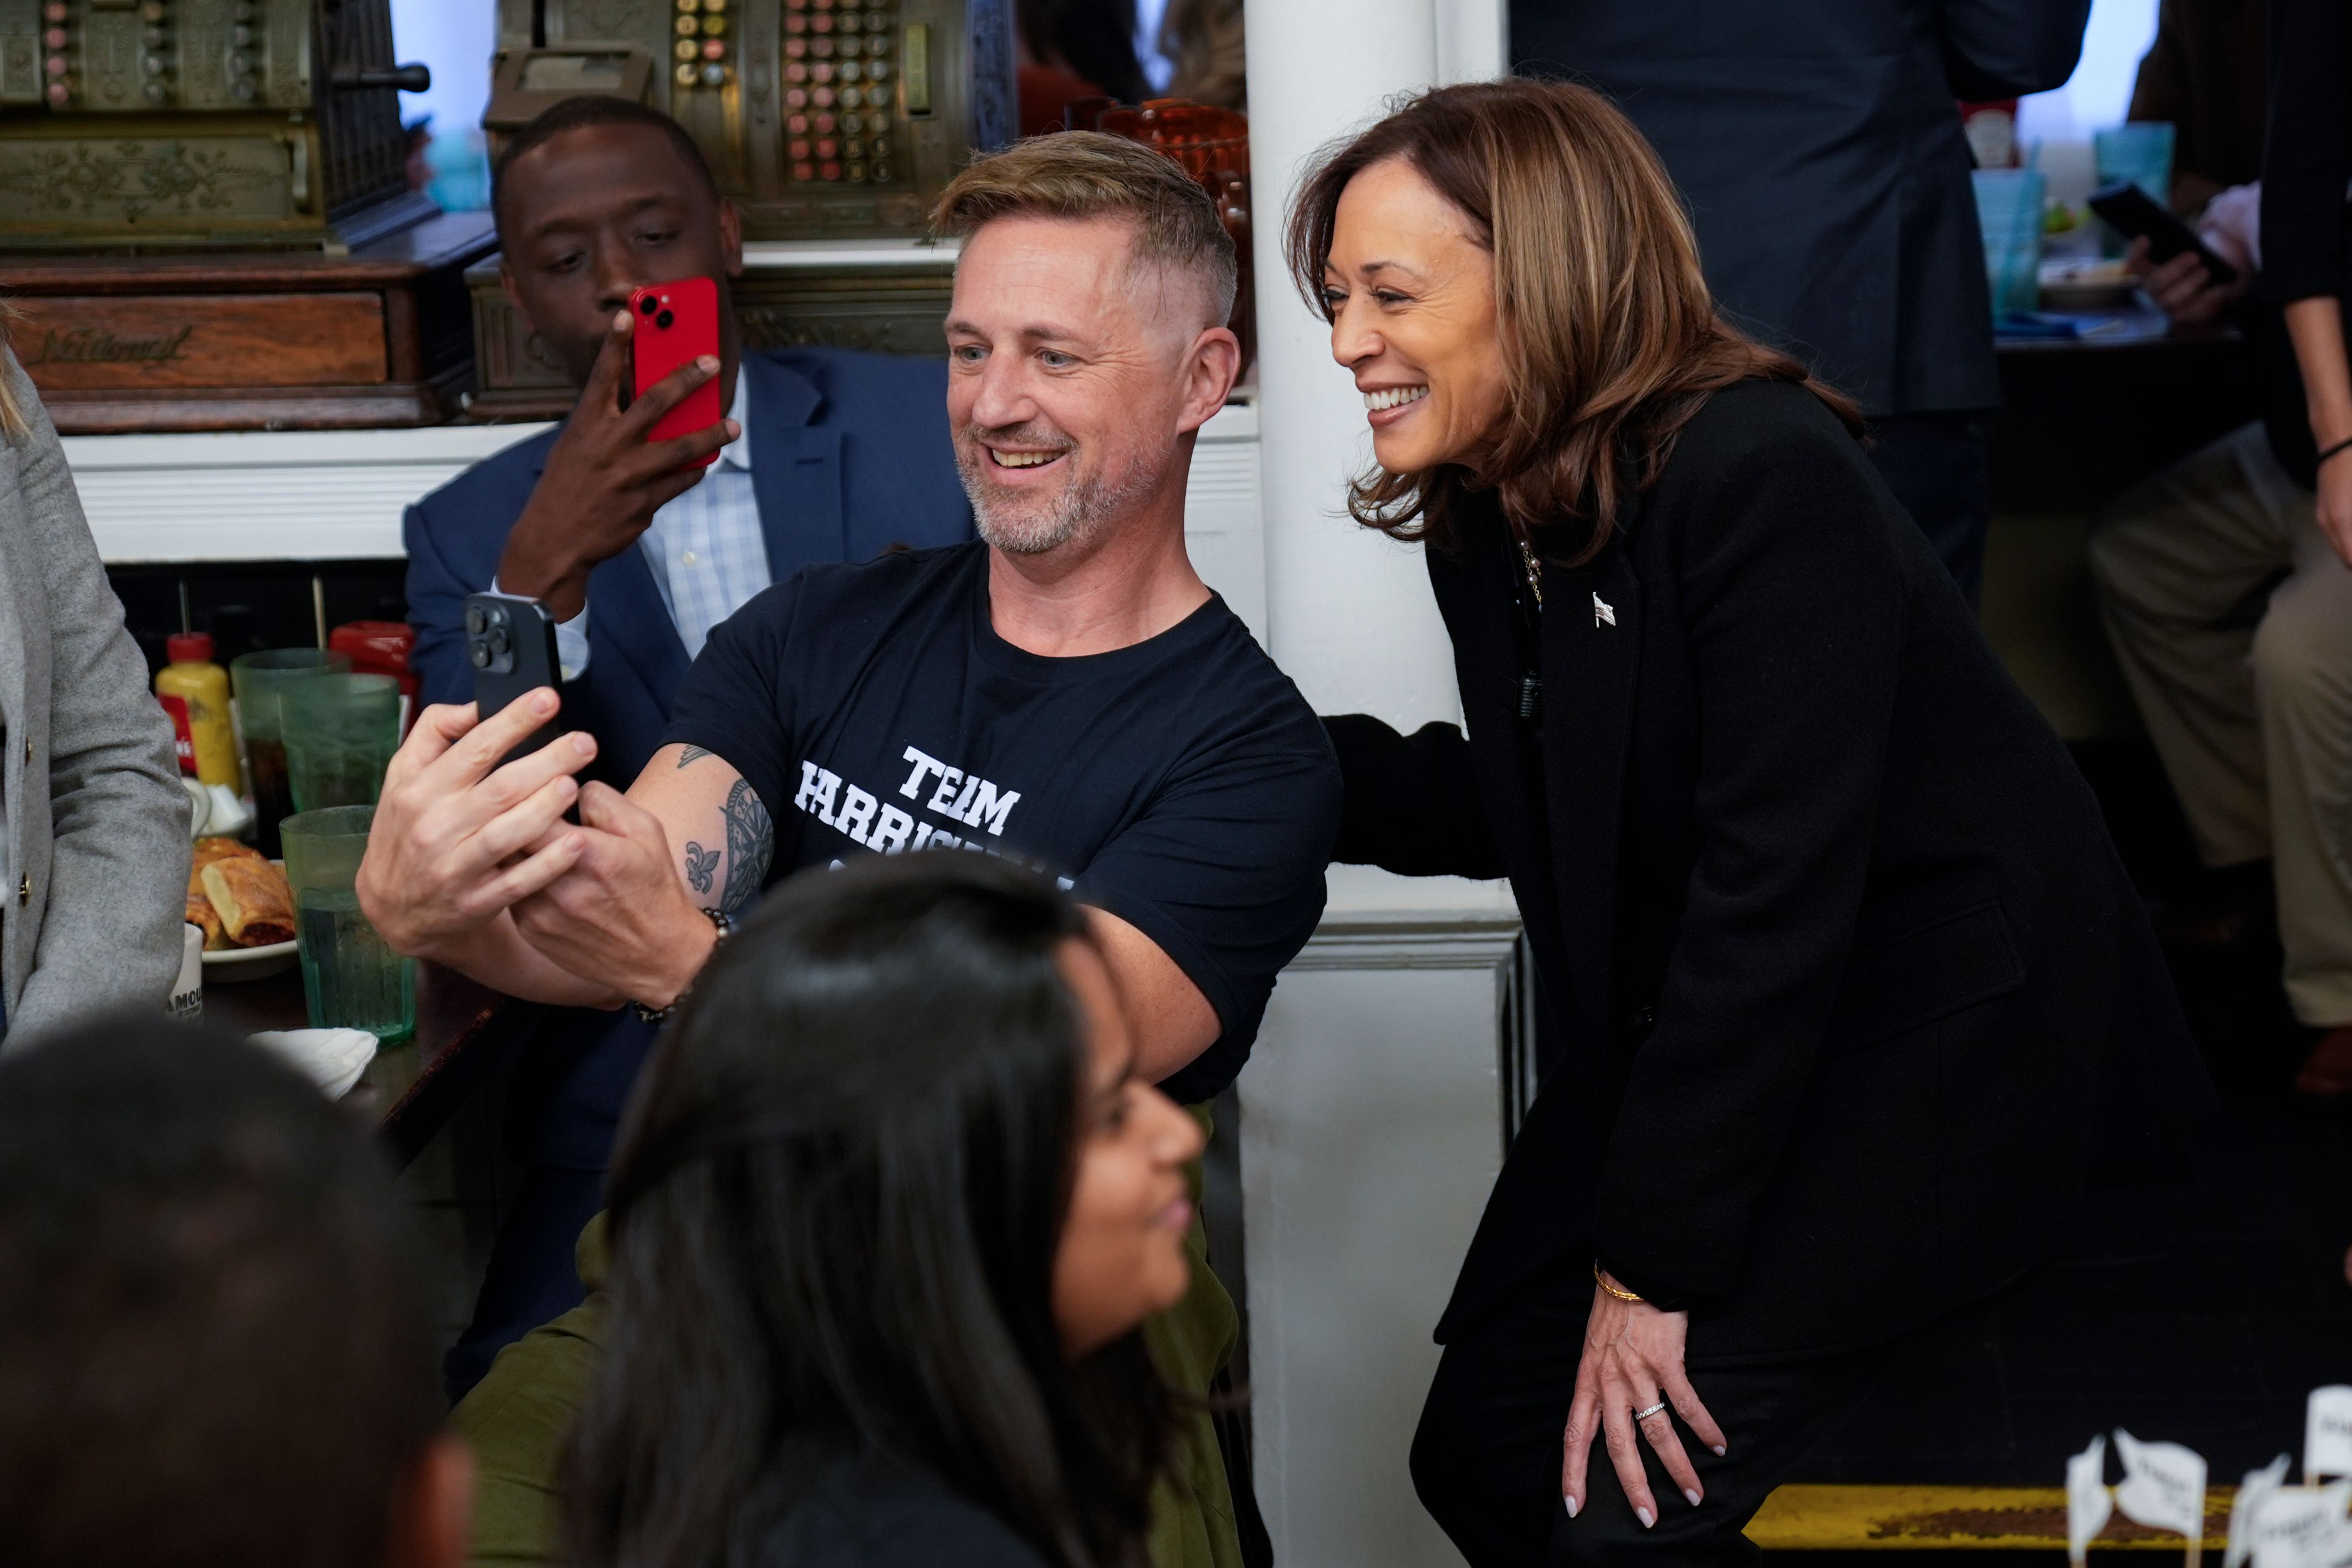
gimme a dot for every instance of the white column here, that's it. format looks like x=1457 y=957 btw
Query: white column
x=1372 y=1130
x=1349 y=613
x=1372 y=1124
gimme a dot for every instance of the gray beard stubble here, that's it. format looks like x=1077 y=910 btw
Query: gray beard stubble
x=1082 y=508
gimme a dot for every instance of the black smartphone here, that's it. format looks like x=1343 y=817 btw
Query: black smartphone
x=2135 y=215
x=510 y=642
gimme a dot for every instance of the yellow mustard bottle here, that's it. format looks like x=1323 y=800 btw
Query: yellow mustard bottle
x=195 y=692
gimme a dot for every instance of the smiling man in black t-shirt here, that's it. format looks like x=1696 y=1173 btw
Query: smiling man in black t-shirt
x=1066 y=692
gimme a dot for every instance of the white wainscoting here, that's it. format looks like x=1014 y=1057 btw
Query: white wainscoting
x=1372 y=1130
x=338 y=495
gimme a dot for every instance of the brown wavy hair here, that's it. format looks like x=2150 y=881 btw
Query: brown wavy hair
x=1609 y=335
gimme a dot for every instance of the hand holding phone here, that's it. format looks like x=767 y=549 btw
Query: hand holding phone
x=2135 y=216
x=677 y=323
x=609 y=472
x=510 y=642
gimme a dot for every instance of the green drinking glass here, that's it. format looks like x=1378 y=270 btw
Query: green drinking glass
x=350 y=978
x=260 y=680
x=341 y=732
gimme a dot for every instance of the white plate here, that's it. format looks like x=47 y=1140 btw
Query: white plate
x=229 y=965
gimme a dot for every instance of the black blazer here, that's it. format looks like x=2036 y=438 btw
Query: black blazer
x=1816 y=143
x=2306 y=221
x=1846 y=966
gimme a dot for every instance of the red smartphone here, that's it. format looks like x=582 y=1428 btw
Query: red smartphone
x=677 y=323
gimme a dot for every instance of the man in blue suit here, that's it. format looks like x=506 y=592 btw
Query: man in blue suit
x=826 y=456
x=1818 y=148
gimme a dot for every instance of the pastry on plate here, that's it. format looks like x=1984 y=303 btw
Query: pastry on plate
x=254 y=901
x=202 y=913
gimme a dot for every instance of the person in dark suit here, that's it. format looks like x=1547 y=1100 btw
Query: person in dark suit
x=829 y=456
x=1845 y=970
x=1827 y=177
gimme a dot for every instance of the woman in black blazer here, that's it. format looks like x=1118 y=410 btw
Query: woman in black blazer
x=1843 y=968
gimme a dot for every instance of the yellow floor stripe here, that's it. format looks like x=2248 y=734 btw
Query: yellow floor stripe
x=1895 y=1519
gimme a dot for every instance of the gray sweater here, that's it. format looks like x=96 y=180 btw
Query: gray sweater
x=93 y=824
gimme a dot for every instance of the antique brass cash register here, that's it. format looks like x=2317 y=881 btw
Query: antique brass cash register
x=820 y=117
x=827 y=121
x=205 y=220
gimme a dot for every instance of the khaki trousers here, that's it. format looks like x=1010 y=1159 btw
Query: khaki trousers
x=2249 y=706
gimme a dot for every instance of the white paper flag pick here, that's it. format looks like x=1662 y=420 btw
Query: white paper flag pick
x=2163 y=1487
x=2089 y=1501
x=2327 y=1434
x=2253 y=1492
x=2302 y=1527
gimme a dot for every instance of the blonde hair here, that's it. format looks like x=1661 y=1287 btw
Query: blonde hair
x=1608 y=336
x=1084 y=174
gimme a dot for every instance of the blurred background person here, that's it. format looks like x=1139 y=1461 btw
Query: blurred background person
x=215 y=1348
x=1787 y=840
x=1065 y=50
x=884 y=1223
x=1817 y=146
x=93 y=824
x=2203 y=74
x=2224 y=580
x=1203 y=40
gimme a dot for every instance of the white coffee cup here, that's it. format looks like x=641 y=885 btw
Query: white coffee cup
x=188 y=990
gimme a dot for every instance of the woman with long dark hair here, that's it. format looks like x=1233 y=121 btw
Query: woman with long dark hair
x=1838 y=968
x=889 y=1211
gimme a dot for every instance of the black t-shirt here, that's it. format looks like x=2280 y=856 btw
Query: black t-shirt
x=1181 y=784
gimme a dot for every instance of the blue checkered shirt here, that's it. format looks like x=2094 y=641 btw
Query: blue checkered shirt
x=705 y=549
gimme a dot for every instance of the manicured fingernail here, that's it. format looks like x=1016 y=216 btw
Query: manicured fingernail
x=1691 y=1493
x=584 y=744
x=620 y=320
x=734 y=431
x=1718 y=1450
x=1646 y=1518
x=708 y=361
x=1571 y=1505
x=542 y=702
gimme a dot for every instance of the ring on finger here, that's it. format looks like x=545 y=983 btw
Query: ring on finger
x=1653 y=1410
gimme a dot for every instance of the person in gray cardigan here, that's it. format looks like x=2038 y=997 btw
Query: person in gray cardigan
x=93 y=824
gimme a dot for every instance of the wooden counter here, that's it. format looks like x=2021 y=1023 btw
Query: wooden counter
x=463 y=1032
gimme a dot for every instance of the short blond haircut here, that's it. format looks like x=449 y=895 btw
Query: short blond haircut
x=1084 y=175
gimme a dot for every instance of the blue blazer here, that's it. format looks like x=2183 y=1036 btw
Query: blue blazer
x=850 y=455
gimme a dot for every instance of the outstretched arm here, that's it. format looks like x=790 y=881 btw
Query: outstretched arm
x=691 y=835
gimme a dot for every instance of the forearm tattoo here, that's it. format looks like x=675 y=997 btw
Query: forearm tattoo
x=690 y=755
x=700 y=864
x=750 y=845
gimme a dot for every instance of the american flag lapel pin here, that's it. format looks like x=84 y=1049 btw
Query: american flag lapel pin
x=1603 y=615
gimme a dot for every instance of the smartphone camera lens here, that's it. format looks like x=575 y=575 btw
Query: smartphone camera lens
x=649 y=305
x=664 y=320
x=479 y=653
x=474 y=619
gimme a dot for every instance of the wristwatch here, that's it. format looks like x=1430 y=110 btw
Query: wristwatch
x=724 y=923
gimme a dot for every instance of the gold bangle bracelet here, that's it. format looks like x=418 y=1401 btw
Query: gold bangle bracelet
x=1613 y=1288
